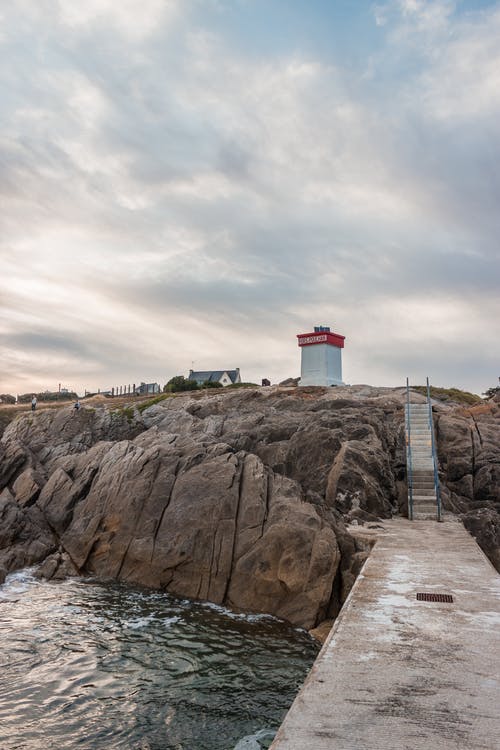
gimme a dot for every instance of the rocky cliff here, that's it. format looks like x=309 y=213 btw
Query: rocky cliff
x=237 y=497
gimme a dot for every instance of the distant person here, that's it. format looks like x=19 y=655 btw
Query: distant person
x=33 y=403
x=77 y=405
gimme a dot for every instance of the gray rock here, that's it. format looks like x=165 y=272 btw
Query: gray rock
x=27 y=487
x=25 y=537
x=237 y=497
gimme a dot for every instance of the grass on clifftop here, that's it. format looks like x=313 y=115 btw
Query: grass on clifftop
x=153 y=401
x=242 y=385
x=449 y=394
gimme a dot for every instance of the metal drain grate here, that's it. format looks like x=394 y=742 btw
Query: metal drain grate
x=446 y=598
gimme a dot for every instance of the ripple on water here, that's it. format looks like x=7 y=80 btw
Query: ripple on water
x=93 y=666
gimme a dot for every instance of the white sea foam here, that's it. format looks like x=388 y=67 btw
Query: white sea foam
x=135 y=623
x=256 y=741
x=233 y=615
x=17 y=583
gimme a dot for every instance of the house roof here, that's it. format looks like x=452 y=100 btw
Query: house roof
x=213 y=376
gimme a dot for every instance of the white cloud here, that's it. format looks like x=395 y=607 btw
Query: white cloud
x=166 y=199
x=133 y=18
x=464 y=82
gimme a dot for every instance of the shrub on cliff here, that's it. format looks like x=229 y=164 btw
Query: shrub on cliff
x=6 y=398
x=449 y=394
x=179 y=383
x=489 y=392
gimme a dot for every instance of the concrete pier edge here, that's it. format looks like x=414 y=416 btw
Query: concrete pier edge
x=399 y=673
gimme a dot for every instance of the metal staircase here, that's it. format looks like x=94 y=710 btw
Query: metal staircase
x=424 y=502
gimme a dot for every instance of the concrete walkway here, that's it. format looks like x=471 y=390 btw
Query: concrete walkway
x=397 y=673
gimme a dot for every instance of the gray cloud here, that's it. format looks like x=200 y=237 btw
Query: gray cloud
x=160 y=190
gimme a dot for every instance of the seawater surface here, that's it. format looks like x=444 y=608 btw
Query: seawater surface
x=104 y=666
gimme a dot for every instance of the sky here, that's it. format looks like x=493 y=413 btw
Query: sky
x=191 y=183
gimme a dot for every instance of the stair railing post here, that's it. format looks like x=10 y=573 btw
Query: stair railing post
x=409 y=469
x=434 y=453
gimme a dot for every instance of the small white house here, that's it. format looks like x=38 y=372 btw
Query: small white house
x=224 y=377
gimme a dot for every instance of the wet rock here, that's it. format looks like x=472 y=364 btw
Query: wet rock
x=25 y=537
x=56 y=567
x=484 y=525
x=322 y=631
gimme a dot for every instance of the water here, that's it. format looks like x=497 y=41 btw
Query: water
x=90 y=666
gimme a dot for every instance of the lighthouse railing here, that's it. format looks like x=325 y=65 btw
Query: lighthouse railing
x=434 y=453
x=409 y=470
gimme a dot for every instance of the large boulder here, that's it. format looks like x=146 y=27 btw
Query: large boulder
x=195 y=519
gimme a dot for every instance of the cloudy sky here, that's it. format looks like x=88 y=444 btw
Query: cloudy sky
x=200 y=180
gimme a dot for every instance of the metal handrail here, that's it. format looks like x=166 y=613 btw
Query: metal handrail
x=434 y=453
x=409 y=471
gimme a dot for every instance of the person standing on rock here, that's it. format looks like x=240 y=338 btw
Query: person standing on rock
x=33 y=403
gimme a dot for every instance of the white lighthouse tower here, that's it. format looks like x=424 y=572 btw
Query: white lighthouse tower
x=321 y=357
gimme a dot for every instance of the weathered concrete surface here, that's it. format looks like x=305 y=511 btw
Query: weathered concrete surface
x=398 y=673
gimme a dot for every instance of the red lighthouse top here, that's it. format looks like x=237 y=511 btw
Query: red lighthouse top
x=321 y=335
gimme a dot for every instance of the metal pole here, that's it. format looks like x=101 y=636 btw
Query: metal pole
x=434 y=454
x=408 y=453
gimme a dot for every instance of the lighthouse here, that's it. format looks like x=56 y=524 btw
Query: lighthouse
x=321 y=357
